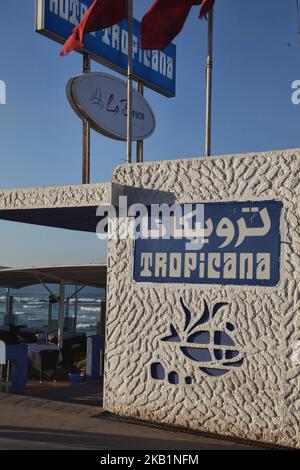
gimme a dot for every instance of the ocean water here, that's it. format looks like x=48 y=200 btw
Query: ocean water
x=31 y=309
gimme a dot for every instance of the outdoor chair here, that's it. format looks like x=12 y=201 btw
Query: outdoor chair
x=71 y=350
x=10 y=337
x=46 y=361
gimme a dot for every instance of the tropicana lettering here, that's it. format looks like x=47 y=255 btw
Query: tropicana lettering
x=206 y=265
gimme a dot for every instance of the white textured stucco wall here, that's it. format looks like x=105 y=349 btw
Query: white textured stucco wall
x=55 y=196
x=261 y=399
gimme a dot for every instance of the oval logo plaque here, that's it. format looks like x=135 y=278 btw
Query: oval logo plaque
x=102 y=99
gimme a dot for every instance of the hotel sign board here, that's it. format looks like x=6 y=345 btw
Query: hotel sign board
x=156 y=69
x=240 y=246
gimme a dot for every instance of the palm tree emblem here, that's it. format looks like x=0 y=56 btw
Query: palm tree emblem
x=204 y=343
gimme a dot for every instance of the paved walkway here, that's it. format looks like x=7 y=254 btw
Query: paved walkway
x=72 y=420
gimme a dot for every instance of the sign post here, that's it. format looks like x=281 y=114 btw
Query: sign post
x=140 y=143
x=129 y=80
x=86 y=140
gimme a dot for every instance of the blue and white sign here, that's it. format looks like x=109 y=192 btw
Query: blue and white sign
x=240 y=245
x=156 y=69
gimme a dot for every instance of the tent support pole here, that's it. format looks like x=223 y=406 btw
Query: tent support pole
x=61 y=314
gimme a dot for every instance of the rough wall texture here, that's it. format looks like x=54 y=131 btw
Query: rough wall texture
x=261 y=399
x=55 y=196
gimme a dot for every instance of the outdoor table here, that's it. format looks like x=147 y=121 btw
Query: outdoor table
x=34 y=348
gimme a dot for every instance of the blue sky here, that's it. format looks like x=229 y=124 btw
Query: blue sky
x=257 y=55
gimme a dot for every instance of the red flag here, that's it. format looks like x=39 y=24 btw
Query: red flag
x=101 y=14
x=206 y=7
x=166 y=18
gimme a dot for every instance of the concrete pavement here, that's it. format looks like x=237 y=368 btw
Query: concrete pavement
x=28 y=422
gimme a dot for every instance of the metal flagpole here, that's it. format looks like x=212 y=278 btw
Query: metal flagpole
x=298 y=14
x=86 y=141
x=129 y=81
x=140 y=143
x=209 y=75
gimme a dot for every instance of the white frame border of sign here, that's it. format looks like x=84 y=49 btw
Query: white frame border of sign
x=39 y=21
x=40 y=28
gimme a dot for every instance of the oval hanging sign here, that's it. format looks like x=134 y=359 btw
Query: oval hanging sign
x=102 y=99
